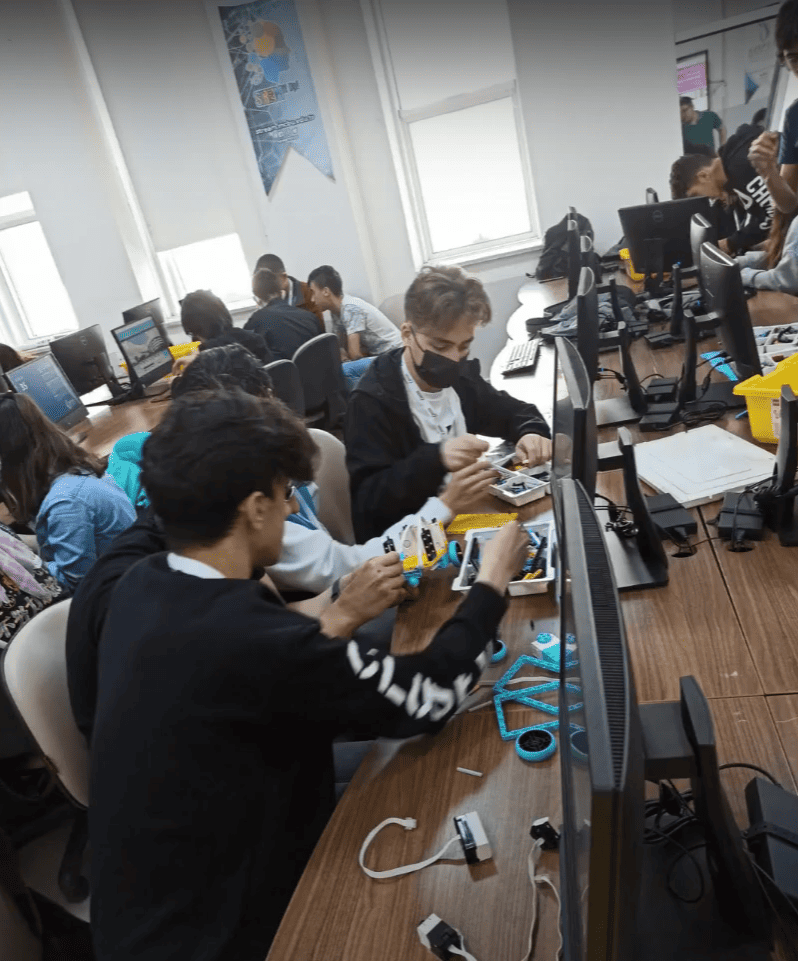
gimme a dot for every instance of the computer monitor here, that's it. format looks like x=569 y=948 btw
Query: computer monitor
x=651 y=196
x=151 y=309
x=146 y=355
x=84 y=359
x=574 y=431
x=617 y=900
x=777 y=502
x=45 y=383
x=725 y=296
x=701 y=232
x=658 y=235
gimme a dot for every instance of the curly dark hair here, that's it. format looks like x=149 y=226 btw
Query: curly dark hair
x=683 y=173
x=204 y=315
x=33 y=452
x=440 y=296
x=211 y=451
x=224 y=368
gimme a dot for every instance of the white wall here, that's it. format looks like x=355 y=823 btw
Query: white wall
x=52 y=148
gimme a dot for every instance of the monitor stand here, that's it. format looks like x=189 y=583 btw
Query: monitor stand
x=730 y=922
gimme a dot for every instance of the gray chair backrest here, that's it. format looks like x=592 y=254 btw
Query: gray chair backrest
x=35 y=677
x=332 y=477
x=287 y=384
x=319 y=364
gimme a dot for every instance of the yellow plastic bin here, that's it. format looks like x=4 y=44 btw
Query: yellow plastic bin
x=762 y=395
x=630 y=267
x=180 y=350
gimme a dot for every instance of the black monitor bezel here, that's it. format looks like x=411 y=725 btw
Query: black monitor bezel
x=583 y=430
x=669 y=221
x=151 y=376
x=152 y=308
x=64 y=344
x=73 y=417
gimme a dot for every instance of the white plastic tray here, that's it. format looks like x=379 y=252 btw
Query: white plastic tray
x=516 y=588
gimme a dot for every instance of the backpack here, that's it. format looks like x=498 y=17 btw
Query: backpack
x=553 y=260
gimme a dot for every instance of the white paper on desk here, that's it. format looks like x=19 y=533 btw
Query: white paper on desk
x=701 y=465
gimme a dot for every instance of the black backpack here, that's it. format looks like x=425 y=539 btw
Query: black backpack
x=553 y=260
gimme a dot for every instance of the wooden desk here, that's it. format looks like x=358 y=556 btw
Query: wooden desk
x=725 y=618
x=109 y=424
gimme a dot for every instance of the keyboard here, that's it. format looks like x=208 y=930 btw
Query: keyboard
x=523 y=358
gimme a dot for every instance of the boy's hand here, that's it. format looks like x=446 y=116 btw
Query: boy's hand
x=504 y=556
x=468 y=486
x=532 y=449
x=372 y=588
x=763 y=153
x=459 y=452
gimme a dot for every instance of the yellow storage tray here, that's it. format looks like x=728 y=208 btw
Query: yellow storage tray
x=180 y=350
x=762 y=396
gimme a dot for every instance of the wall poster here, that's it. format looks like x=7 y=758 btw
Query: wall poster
x=273 y=76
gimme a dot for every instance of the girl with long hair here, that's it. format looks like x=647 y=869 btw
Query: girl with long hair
x=775 y=267
x=59 y=490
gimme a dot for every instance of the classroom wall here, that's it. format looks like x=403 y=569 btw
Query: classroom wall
x=598 y=107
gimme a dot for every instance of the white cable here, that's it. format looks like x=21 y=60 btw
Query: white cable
x=463 y=953
x=536 y=879
x=408 y=824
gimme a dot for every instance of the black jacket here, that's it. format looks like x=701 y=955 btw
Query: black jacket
x=253 y=342
x=211 y=758
x=392 y=471
x=753 y=205
x=283 y=327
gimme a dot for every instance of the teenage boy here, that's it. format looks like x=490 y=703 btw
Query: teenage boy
x=774 y=157
x=363 y=331
x=211 y=762
x=729 y=177
x=412 y=418
x=284 y=327
x=293 y=291
x=698 y=127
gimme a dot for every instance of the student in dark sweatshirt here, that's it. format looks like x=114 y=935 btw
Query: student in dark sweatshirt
x=285 y=328
x=211 y=761
x=412 y=417
x=731 y=178
x=205 y=318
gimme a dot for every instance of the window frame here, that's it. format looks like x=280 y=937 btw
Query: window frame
x=14 y=320
x=174 y=281
x=398 y=123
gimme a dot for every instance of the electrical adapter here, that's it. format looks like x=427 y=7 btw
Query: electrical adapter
x=543 y=830
x=439 y=937
x=476 y=846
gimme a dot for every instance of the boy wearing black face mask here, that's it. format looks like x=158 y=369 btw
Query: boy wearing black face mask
x=412 y=418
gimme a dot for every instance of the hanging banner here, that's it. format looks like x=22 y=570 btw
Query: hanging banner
x=274 y=81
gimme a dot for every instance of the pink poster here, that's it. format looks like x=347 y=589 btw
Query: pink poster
x=692 y=77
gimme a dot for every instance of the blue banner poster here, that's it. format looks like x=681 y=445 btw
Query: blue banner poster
x=273 y=77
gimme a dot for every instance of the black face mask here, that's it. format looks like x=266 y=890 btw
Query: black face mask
x=437 y=370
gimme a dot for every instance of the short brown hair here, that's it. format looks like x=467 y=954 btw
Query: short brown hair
x=266 y=285
x=683 y=173
x=440 y=296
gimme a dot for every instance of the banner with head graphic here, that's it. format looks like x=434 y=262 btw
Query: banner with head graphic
x=274 y=81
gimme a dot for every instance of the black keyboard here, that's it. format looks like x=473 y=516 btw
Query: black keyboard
x=523 y=358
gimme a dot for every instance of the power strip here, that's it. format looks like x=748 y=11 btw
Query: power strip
x=439 y=937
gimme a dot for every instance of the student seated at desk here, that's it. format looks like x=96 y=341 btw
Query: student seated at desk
x=310 y=560
x=775 y=267
x=10 y=358
x=206 y=318
x=211 y=764
x=293 y=291
x=363 y=331
x=284 y=328
x=74 y=507
x=412 y=418
x=731 y=178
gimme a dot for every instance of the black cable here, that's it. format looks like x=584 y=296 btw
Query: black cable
x=684 y=852
x=784 y=898
x=751 y=767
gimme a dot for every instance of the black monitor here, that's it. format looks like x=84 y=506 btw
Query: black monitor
x=141 y=312
x=725 y=296
x=658 y=235
x=146 y=355
x=46 y=384
x=777 y=501
x=651 y=196
x=617 y=900
x=574 y=256
x=702 y=231
x=574 y=431
x=84 y=359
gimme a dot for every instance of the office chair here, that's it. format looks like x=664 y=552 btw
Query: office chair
x=319 y=364
x=287 y=384
x=34 y=677
x=332 y=477
x=394 y=308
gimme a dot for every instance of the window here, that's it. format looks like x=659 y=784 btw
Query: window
x=33 y=300
x=218 y=265
x=455 y=129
